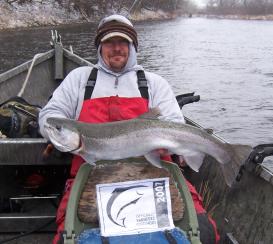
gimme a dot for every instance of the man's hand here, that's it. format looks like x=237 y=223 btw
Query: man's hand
x=48 y=150
x=178 y=159
x=162 y=152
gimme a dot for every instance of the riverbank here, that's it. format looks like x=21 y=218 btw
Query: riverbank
x=52 y=13
x=237 y=17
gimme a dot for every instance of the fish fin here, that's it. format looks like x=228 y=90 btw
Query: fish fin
x=194 y=159
x=239 y=153
x=229 y=173
x=93 y=163
x=154 y=158
x=153 y=113
x=89 y=158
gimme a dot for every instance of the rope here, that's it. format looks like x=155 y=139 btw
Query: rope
x=28 y=75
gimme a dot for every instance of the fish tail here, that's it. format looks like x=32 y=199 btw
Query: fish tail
x=239 y=153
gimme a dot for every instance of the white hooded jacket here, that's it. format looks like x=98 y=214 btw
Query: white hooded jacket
x=68 y=98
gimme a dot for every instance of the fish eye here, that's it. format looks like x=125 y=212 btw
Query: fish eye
x=58 y=127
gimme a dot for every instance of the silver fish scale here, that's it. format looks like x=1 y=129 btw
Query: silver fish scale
x=113 y=129
x=137 y=140
x=138 y=137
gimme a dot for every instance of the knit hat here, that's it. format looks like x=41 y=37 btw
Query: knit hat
x=116 y=25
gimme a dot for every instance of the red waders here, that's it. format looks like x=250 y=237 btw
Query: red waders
x=108 y=109
x=99 y=110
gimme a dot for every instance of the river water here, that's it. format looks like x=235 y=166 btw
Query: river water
x=229 y=63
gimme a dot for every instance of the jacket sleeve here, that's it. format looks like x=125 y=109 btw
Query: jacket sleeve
x=162 y=96
x=65 y=99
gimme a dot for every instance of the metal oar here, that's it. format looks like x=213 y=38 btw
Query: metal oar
x=255 y=160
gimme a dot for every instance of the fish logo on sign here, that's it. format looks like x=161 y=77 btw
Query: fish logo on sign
x=115 y=197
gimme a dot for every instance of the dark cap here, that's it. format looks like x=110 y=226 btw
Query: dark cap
x=116 y=25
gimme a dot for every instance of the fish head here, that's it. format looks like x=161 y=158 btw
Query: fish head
x=63 y=134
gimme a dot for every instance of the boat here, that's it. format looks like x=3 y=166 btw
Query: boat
x=243 y=213
x=21 y=158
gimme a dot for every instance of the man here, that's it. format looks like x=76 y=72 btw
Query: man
x=115 y=89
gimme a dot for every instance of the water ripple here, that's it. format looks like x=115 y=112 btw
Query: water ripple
x=231 y=68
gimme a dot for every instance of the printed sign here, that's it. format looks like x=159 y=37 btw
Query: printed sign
x=134 y=207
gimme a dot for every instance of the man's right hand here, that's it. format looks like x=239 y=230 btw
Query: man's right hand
x=48 y=150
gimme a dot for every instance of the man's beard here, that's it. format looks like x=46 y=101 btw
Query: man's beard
x=117 y=65
x=117 y=53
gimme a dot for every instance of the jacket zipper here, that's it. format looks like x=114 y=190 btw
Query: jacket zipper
x=116 y=83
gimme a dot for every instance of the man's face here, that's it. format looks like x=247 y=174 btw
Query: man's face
x=115 y=53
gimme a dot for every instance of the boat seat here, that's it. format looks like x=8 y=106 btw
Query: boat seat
x=120 y=172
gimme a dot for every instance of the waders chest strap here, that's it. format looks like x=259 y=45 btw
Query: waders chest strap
x=141 y=81
x=90 y=84
x=142 y=84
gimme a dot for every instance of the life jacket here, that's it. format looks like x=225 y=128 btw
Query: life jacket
x=109 y=109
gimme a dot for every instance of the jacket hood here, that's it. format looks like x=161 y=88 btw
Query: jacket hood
x=130 y=65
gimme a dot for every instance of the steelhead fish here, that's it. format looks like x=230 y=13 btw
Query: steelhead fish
x=143 y=136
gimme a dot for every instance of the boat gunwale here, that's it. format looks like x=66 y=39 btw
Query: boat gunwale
x=76 y=58
x=23 y=141
x=25 y=66
x=43 y=57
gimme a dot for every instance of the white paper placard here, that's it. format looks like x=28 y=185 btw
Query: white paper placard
x=134 y=207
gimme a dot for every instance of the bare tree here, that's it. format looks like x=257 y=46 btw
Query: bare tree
x=255 y=7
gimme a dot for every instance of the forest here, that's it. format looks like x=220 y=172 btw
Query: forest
x=240 y=7
x=94 y=6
